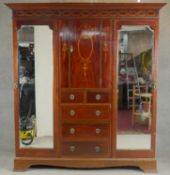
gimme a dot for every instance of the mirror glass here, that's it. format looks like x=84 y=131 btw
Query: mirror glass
x=135 y=85
x=35 y=60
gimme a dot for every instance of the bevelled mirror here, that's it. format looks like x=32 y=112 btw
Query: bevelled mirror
x=135 y=85
x=35 y=70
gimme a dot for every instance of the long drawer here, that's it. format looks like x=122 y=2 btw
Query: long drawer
x=85 y=112
x=84 y=131
x=86 y=149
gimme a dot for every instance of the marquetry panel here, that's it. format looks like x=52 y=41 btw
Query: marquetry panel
x=86 y=53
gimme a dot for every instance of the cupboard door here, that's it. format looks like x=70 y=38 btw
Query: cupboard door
x=35 y=86
x=136 y=87
x=85 y=56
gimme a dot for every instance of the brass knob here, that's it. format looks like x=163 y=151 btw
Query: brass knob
x=98 y=113
x=98 y=97
x=72 y=112
x=97 y=149
x=98 y=130
x=72 y=148
x=72 y=97
x=72 y=130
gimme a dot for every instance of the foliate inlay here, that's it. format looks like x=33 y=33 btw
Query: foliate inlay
x=85 y=60
x=70 y=13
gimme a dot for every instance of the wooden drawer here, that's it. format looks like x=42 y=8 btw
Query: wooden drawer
x=86 y=112
x=87 y=149
x=98 y=97
x=84 y=131
x=72 y=96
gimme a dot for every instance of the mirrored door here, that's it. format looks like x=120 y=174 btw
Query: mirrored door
x=135 y=87
x=35 y=80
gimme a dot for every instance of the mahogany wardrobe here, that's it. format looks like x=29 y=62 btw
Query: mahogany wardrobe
x=85 y=84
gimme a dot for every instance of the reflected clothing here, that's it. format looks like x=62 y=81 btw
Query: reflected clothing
x=27 y=101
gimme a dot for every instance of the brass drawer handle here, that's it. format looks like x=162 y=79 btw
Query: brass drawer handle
x=98 y=130
x=97 y=149
x=72 y=148
x=72 y=112
x=72 y=97
x=98 y=97
x=98 y=113
x=72 y=130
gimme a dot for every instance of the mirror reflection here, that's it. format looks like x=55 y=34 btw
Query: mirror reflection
x=35 y=86
x=135 y=82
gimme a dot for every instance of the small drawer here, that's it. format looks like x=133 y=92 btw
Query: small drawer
x=98 y=97
x=87 y=149
x=72 y=96
x=86 y=112
x=82 y=131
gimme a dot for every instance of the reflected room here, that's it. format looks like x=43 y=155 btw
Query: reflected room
x=35 y=69
x=135 y=82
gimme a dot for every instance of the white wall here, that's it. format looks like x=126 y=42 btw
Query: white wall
x=44 y=80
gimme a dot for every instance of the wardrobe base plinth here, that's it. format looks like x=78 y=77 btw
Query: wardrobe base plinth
x=146 y=165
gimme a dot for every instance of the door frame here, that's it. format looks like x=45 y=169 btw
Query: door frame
x=153 y=23
x=28 y=152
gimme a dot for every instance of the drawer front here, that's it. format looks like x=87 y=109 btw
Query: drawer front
x=80 y=131
x=85 y=112
x=98 y=97
x=87 y=149
x=72 y=96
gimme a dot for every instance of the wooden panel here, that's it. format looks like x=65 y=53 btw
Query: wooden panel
x=87 y=149
x=85 y=112
x=83 y=53
x=77 y=131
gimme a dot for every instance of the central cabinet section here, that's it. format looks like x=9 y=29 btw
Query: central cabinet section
x=85 y=54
